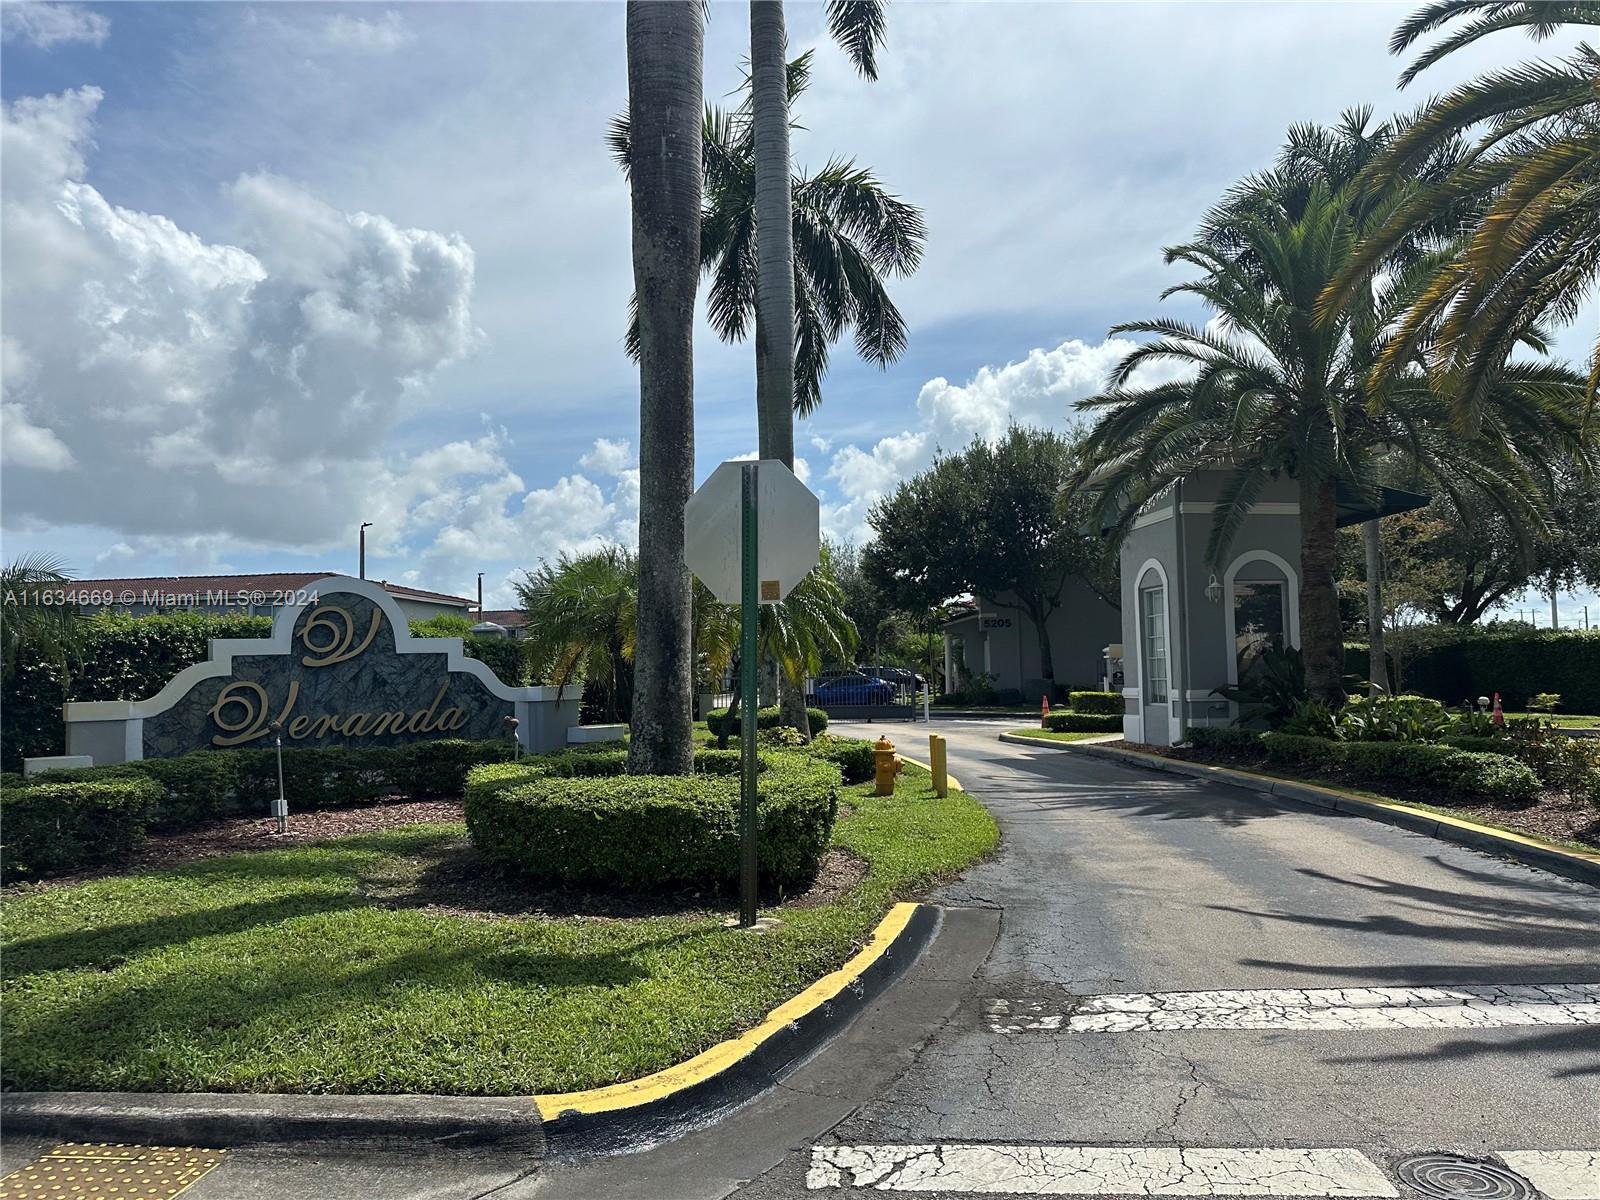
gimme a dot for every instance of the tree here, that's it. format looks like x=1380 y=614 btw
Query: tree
x=1532 y=180
x=1274 y=386
x=583 y=622
x=29 y=620
x=665 y=96
x=1003 y=498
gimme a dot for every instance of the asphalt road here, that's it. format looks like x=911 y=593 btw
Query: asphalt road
x=1113 y=880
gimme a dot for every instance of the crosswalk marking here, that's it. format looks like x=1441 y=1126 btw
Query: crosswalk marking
x=1559 y=1174
x=1099 y=1170
x=1466 y=1007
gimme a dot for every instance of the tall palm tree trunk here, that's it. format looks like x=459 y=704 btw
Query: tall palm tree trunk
x=1378 y=667
x=1321 y=632
x=769 y=120
x=665 y=99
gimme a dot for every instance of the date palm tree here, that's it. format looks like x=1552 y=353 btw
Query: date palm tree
x=33 y=619
x=1531 y=181
x=1267 y=388
x=665 y=97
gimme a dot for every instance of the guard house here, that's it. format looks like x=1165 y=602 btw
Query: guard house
x=1189 y=627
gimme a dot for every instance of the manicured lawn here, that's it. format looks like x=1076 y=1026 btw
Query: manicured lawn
x=1564 y=720
x=1059 y=735
x=305 y=969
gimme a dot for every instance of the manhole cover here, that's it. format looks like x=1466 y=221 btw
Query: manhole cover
x=1450 y=1177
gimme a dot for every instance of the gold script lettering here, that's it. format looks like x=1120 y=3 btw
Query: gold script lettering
x=254 y=722
x=340 y=628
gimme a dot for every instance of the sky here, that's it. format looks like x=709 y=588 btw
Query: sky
x=273 y=270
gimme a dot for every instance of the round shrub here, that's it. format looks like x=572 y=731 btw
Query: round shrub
x=648 y=832
x=766 y=718
x=1097 y=702
x=853 y=756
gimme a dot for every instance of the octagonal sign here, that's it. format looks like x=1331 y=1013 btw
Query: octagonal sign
x=788 y=531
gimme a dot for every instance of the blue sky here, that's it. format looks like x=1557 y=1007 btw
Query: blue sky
x=272 y=270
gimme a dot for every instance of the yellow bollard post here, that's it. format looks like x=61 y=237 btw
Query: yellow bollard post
x=936 y=760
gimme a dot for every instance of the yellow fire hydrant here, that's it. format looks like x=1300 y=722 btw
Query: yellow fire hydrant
x=888 y=766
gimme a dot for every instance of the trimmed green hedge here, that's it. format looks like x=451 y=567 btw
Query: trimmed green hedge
x=1226 y=741
x=1453 y=663
x=212 y=784
x=59 y=826
x=1295 y=750
x=562 y=822
x=122 y=657
x=1077 y=722
x=1097 y=702
x=766 y=718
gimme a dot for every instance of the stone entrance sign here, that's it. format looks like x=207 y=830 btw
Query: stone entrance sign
x=342 y=670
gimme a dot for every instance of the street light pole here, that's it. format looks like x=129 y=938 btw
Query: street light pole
x=363 y=533
x=480 y=597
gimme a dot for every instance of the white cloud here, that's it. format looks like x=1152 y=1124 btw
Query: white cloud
x=381 y=36
x=47 y=25
x=609 y=456
x=1038 y=390
x=194 y=388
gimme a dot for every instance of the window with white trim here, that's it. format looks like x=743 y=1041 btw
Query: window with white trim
x=1153 y=630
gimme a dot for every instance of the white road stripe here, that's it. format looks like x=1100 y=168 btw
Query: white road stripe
x=1559 y=1174
x=1098 y=1170
x=1470 y=1007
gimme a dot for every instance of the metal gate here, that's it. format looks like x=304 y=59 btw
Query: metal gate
x=860 y=696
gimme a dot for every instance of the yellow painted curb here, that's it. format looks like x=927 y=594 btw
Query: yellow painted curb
x=949 y=778
x=1395 y=806
x=724 y=1054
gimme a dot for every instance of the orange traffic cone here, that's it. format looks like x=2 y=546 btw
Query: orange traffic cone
x=1044 y=712
x=1499 y=718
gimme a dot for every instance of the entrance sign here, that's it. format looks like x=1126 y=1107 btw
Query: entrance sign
x=340 y=670
x=788 y=541
x=752 y=531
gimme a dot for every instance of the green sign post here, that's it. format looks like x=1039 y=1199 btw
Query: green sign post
x=779 y=540
x=749 y=656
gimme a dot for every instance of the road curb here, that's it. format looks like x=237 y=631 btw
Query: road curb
x=1584 y=868
x=696 y=1092
x=221 y=1120
x=569 y=1125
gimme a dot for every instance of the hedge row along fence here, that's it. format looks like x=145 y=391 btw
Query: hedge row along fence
x=1451 y=663
x=766 y=718
x=122 y=657
x=579 y=819
x=1422 y=771
x=62 y=820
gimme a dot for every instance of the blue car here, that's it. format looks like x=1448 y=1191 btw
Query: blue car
x=845 y=690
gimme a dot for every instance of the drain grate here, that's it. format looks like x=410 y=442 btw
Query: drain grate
x=1451 y=1177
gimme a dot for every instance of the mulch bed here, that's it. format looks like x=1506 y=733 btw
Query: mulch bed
x=454 y=881
x=1563 y=816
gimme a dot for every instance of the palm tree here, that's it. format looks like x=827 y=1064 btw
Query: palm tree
x=45 y=630
x=1269 y=388
x=665 y=97
x=583 y=621
x=1532 y=180
x=852 y=233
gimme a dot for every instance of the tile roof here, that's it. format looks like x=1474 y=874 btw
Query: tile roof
x=272 y=581
x=511 y=618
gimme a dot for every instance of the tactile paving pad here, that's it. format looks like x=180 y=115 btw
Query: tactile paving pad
x=105 y=1171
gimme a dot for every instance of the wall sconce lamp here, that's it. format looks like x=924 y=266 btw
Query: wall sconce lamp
x=1214 y=590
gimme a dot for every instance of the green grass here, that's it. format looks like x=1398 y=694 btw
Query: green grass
x=279 y=971
x=1564 y=720
x=1059 y=735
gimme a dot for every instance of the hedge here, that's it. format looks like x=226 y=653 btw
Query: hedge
x=1097 y=702
x=1456 y=774
x=853 y=756
x=208 y=785
x=766 y=718
x=123 y=657
x=560 y=825
x=1077 y=722
x=1453 y=663
x=1225 y=741
x=59 y=826
x=1296 y=750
